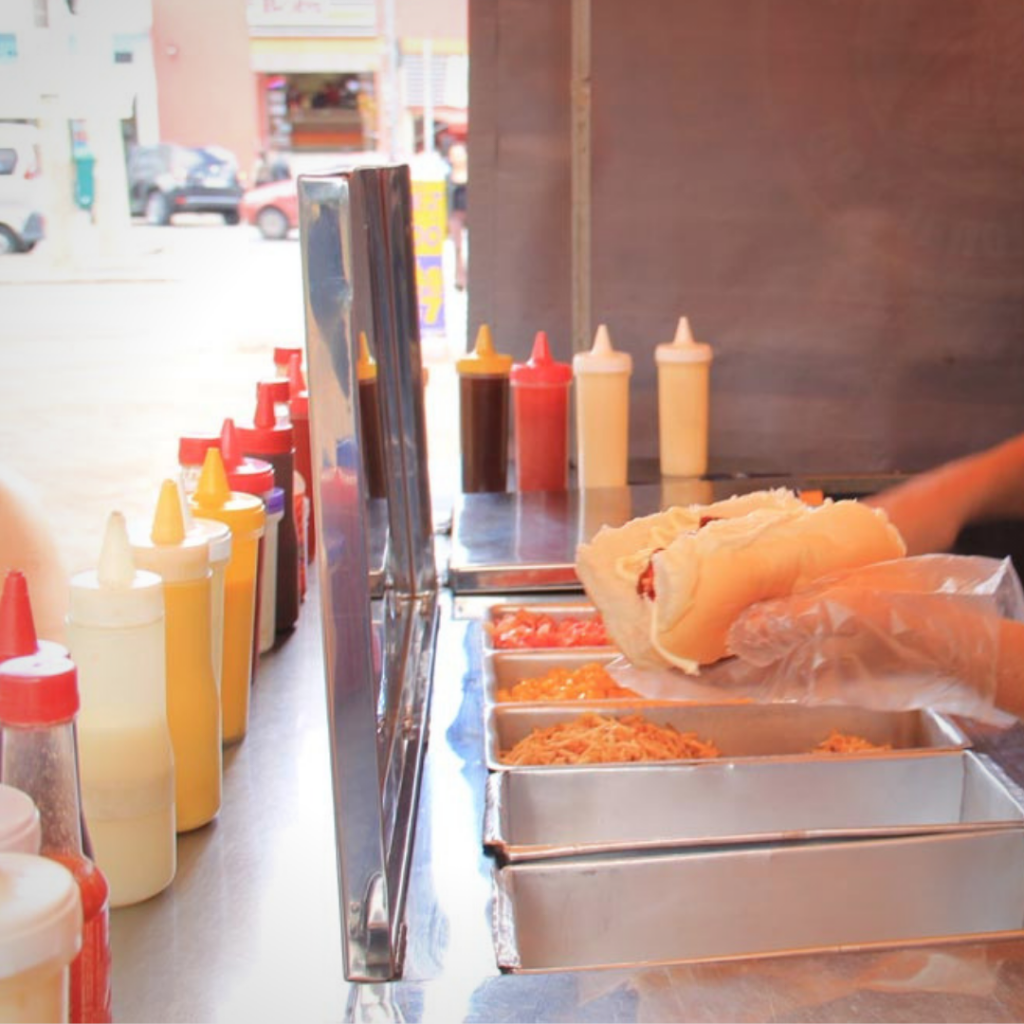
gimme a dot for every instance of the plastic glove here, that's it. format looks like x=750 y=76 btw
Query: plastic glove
x=915 y=632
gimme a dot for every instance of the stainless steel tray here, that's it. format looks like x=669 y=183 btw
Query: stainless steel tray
x=537 y=813
x=756 y=901
x=505 y=668
x=558 y=610
x=740 y=730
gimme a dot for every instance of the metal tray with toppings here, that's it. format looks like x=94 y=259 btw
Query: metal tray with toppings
x=626 y=734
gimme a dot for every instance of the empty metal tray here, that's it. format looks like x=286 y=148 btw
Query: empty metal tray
x=740 y=730
x=558 y=610
x=577 y=913
x=535 y=813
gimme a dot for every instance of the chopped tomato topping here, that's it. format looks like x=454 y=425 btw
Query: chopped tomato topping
x=525 y=629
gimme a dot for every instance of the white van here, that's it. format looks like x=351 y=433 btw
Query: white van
x=21 y=218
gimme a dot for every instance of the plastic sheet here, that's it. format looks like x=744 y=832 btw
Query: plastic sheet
x=910 y=633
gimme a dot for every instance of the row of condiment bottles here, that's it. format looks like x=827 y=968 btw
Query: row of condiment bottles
x=539 y=391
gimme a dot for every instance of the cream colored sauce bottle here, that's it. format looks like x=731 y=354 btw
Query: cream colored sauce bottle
x=602 y=378
x=115 y=632
x=684 y=370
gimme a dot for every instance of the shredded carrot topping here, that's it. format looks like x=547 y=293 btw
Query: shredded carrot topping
x=845 y=743
x=599 y=739
x=523 y=628
x=588 y=682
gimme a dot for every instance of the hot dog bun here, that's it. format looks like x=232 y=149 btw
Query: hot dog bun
x=710 y=562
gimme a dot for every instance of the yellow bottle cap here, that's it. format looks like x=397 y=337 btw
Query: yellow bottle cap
x=166 y=548
x=483 y=360
x=683 y=348
x=603 y=357
x=366 y=365
x=214 y=499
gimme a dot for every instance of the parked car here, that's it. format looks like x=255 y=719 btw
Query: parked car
x=167 y=179
x=274 y=207
x=21 y=218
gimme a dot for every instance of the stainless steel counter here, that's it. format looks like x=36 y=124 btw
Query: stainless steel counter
x=250 y=929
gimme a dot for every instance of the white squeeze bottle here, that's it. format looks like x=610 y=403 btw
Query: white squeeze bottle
x=602 y=413
x=684 y=368
x=115 y=631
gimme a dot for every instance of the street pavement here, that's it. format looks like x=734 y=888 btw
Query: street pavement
x=107 y=362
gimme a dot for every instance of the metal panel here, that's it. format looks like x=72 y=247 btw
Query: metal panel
x=356 y=250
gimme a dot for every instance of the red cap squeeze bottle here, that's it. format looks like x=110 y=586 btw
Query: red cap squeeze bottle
x=283 y=357
x=38 y=706
x=191 y=452
x=303 y=446
x=255 y=477
x=540 y=403
x=280 y=393
x=267 y=439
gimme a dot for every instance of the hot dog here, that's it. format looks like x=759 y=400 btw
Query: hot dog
x=669 y=585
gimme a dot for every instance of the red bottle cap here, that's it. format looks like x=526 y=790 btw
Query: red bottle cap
x=17 y=630
x=283 y=355
x=541 y=369
x=279 y=387
x=297 y=388
x=192 y=448
x=266 y=436
x=250 y=476
x=40 y=689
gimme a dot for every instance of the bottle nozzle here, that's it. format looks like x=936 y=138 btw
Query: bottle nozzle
x=602 y=342
x=168 y=522
x=116 y=566
x=17 y=630
x=213 y=490
x=541 y=350
x=265 y=417
x=484 y=342
x=684 y=336
x=296 y=382
x=230 y=448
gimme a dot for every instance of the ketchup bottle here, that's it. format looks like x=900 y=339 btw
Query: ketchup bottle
x=540 y=405
x=38 y=705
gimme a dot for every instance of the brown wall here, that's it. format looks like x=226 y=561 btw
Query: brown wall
x=830 y=191
x=205 y=89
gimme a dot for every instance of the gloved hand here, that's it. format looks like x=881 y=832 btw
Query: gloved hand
x=915 y=632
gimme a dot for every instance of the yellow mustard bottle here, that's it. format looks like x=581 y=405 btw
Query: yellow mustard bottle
x=244 y=514
x=193 y=706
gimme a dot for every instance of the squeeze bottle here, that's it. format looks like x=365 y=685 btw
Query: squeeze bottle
x=540 y=401
x=266 y=439
x=191 y=452
x=684 y=368
x=303 y=446
x=370 y=422
x=255 y=477
x=38 y=704
x=193 y=705
x=218 y=541
x=483 y=415
x=274 y=503
x=283 y=357
x=40 y=936
x=280 y=395
x=19 y=822
x=244 y=514
x=115 y=631
x=602 y=413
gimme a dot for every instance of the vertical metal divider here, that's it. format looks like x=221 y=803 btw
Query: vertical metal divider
x=357 y=265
